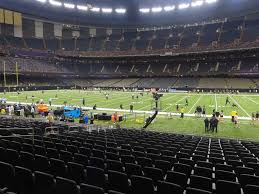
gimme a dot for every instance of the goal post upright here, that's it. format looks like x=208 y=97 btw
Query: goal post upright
x=17 y=74
x=4 y=75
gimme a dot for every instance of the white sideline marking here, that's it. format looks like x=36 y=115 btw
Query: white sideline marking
x=195 y=103
x=239 y=106
x=135 y=111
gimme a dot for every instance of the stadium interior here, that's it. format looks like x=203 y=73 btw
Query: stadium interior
x=199 y=48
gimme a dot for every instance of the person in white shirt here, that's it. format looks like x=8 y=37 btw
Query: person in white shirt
x=22 y=112
x=32 y=111
x=10 y=110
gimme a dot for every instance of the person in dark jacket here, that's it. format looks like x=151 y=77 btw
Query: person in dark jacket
x=206 y=124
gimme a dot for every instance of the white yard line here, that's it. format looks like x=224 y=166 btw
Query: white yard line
x=175 y=103
x=164 y=99
x=239 y=106
x=252 y=100
x=216 y=102
x=195 y=104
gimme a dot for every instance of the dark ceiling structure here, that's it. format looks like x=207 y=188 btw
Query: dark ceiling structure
x=153 y=15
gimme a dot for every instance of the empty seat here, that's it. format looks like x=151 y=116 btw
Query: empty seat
x=90 y=189
x=23 y=180
x=208 y=165
x=72 y=148
x=153 y=157
x=251 y=189
x=202 y=171
x=177 y=178
x=60 y=146
x=76 y=172
x=2 y=154
x=225 y=175
x=58 y=167
x=27 y=148
x=118 y=181
x=143 y=161
x=98 y=162
x=138 y=154
x=141 y=185
x=127 y=159
x=190 y=190
x=114 y=165
x=246 y=179
x=114 y=192
x=155 y=174
x=163 y=165
x=200 y=182
x=170 y=159
x=235 y=163
x=81 y=159
x=98 y=153
x=44 y=183
x=6 y=175
x=125 y=152
x=186 y=161
x=85 y=151
x=41 y=163
x=215 y=160
x=168 y=188
x=27 y=160
x=112 y=156
x=66 y=156
x=95 y=176
x=133 y=169
x=226 y=187
x=65 y=186
x=183 y=168
x=39 y=150
x=244 y=170
x=52 y=153
x=224 y=167
x=12 y=157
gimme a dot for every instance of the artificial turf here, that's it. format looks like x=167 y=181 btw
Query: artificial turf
x=246 y=104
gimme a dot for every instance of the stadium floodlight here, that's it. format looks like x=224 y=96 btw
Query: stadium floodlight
x=210 y=1
x=82 y=7
x=144 y=10
x=120 y=10
x=156 y=9
x=183 y=6
x=55 y=3
x=69 y=5
x=169 y=8
x=95 y=9
x=107 y=10
x=197 y=3
x=42 y=1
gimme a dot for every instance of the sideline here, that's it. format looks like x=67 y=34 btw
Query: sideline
x=135 y=111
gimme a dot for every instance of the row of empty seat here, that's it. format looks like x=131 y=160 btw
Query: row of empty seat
x=129 y=161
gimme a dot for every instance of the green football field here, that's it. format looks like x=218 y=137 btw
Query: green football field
x=246 y=105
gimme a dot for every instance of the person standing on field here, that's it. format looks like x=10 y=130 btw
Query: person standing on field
x=50 y=101
x=186 y=102
x=206 y=123
x=83 y=101
x=182 y=112
x=131 y=108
